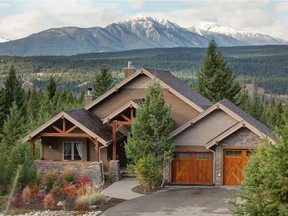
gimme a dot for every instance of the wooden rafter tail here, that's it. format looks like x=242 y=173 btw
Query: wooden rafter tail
x=120 y=123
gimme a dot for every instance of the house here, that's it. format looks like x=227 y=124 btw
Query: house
x=213 y=141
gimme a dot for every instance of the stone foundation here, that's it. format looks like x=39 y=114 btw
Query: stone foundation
x=242 y=139
x=91 y=169
x=114 y=170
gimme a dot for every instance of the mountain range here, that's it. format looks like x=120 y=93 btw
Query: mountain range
x=137 y=33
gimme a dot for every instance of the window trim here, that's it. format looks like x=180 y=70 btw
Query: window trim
x=72 y=150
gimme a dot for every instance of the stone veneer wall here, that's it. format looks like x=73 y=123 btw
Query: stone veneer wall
x=242 y=139
x=91 y=169
x=114 y=170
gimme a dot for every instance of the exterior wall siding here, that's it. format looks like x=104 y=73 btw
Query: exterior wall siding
x=206 y=129
x=56 y=153
x=241 y=139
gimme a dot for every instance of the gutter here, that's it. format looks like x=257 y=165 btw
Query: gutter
x=102 y=165
x=214 y=165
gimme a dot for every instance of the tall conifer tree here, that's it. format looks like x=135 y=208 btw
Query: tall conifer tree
x=51 y=88
x=12 y=92
x=150 y=146
x=215 y=79
x=103 y=81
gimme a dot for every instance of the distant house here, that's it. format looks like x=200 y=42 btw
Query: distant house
x=213 y=141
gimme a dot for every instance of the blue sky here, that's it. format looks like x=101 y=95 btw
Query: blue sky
x=20 y=18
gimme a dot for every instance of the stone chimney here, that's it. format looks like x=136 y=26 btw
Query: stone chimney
x=88 y=97
x=129 y=70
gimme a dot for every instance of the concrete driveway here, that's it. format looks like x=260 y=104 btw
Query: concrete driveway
x=179 y=201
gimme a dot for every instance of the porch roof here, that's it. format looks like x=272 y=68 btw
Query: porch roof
x=83 y=119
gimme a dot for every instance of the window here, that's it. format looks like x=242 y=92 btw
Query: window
x=233 y=153
x=73 y=151
x=182 y=155
x=201 y=155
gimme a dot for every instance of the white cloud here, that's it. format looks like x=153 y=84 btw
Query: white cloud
x=136 y=4
x=4 y=5
x=282 y=7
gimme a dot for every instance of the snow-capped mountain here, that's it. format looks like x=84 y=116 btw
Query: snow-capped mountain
x=3 y=40
x=136 y=33
x=250 y=38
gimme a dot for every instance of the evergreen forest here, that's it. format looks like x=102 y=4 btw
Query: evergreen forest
x=264 y=65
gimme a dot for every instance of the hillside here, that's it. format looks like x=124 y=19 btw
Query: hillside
x=137 y=33
x=266 y=65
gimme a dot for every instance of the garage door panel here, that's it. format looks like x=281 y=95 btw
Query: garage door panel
x=234 y=165
x=195 y=169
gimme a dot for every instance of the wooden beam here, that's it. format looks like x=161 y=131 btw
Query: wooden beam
x=120 y=123
x=64 y=135
x=114 y=155
x=125 y=117
x=64 y=125
x=96 y=143
x=71 y=129
x=57 y=129
x=131 y=113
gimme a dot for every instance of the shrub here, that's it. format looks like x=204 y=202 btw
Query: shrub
x=17 y=201
x=70 y=190
x=108 y=179
x=26 y=194
x=148 y=172
x=50 y=178
x=35 y=192
x=55 y=191
x=83 y=202
x=69 y=174
x=49 y=201
x=82 y=181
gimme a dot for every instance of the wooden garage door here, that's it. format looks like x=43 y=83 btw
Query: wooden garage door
x=234 y=164
x=192 y=168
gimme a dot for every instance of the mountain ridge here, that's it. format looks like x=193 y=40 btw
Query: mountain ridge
x=137 y=33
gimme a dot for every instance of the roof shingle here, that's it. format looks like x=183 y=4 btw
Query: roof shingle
x=91 y=122
x=181 y=87
x=245 y=116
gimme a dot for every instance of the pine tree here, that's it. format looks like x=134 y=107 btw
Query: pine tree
x=51 y=88
x=13 y=92
x=33 y=105
x=13 y=129
x=103 y=81
x=215 y=79
x=150 y=141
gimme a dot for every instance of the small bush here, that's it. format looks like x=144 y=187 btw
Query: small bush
x=108 y=179
x=82 y=181
x=55 y=191
x=26 y=194
x=49 y=201
x=50 y=178
x=17 y=201
x=87 y=190
x=69 y=174
x=70 y=190
x=85 y=201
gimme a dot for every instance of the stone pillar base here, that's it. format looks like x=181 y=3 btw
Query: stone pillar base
x=114 y=170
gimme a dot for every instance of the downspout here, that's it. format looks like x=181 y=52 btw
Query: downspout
x=214 y=165
x=102 y=165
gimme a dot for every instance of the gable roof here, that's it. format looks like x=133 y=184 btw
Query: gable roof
x=181 y=87
x=166 y=79
x=83 y=119
x=242 y=117
x=134 y=103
